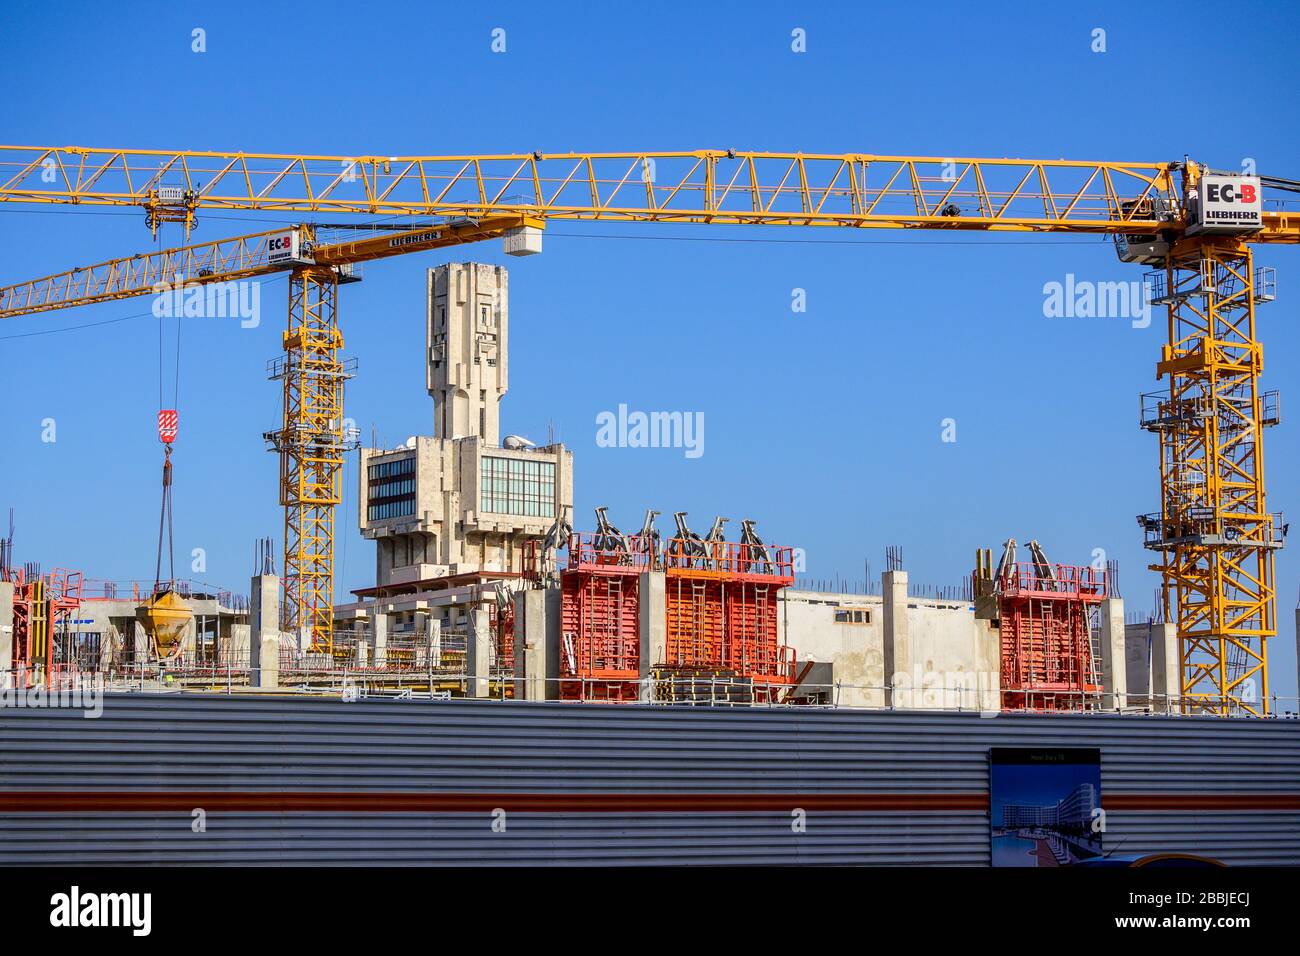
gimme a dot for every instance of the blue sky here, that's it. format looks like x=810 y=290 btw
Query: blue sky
x=836 y=446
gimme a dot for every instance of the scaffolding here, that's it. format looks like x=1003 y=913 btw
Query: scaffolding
x=1047 y=627
x=722 y=621
x=48 y=648
x=600 y=615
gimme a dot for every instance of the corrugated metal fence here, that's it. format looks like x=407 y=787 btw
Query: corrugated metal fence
x=302 y=781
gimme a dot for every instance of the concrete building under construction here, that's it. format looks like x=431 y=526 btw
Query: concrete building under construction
x=483 y=589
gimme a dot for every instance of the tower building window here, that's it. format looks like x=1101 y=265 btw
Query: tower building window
x=390 y=489
x=515 y=486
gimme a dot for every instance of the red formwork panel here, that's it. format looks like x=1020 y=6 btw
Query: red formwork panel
x=722 y=610
x=1047 y=660
x=720 y=614
x=600 y=645
x=728 y=625
x=694 y=622
x=751 y=638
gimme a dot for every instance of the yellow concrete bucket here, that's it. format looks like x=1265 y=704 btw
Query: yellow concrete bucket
x=165 y=618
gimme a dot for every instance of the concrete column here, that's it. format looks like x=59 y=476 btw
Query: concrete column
x=478 y=652
x=190 y=638
x=268 y=656
x=1166 y=676
x=140 y=641
x=6 y=634
x=434 y=626
x=232 y=643
x=531 y=645
x=653 y=625
x=1114 y=677
x=897 y=645
x=108 y=641
x=420 y=636
x=554 y=608
x=264 y=631
x=363 y=643
x=379 y=638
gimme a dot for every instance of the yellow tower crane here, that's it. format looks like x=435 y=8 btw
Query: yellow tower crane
x=1215 y=537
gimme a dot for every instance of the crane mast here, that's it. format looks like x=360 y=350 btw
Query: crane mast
x=312 y=446
x=1214 y=536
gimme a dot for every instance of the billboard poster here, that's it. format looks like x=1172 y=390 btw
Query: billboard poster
x=1044 y=805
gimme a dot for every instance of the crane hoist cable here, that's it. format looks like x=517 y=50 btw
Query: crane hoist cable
x=166 y=614
x=168 y=419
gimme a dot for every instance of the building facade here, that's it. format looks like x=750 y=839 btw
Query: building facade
x=458 y=501
x=451 y=513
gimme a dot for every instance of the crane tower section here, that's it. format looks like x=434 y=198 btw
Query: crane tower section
x=312 y=443
x=1214 y=532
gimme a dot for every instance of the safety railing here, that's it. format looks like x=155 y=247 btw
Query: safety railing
x=594 y=551
x=1199 y=525
x=960 y=696
x=1159 y=412
x=731 y=558
x=590 y=551
x=95 y=589
x=1025 y=578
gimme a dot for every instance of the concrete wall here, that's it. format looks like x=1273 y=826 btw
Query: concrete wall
x=807 y=623
x=1151 y=666
x=951 y=659
x=1137 y=662
x=955 y=659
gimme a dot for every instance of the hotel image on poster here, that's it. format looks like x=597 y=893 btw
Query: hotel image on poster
x=1041 y=806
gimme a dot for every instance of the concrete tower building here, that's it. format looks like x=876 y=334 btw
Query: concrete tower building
x=458 y=503
x=468 y=337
